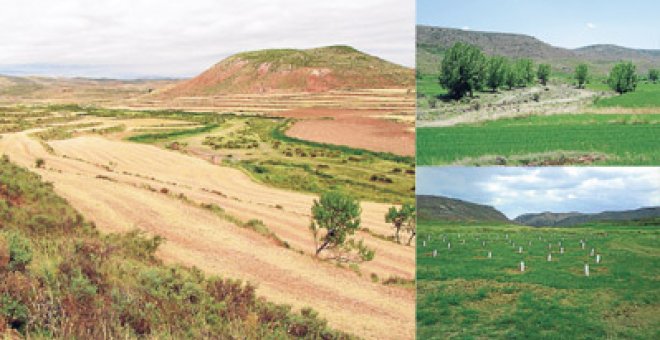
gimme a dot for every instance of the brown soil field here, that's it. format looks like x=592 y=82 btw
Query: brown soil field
x=354 y=128
x=120 y=186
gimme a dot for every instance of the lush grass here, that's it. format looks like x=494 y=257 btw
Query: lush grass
x=171 y=135
x=628 y=139
x=60 y=278
x=645 y=95
x=429 y=86
x=463 y=294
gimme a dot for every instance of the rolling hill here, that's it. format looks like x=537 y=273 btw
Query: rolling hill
x=432 y=41
x=440 y=208
x=549 y=219
x=290 y=70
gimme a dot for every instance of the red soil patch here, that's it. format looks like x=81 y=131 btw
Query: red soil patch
x=354 y=128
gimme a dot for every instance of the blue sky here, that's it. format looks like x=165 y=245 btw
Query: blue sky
x=156 y=38
x=519 y=190
x=564 y=23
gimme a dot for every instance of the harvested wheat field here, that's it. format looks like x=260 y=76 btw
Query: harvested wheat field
x=122 y=186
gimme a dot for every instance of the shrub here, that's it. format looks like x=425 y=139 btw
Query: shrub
x=20 y=252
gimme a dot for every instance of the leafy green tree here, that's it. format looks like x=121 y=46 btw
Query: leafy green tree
x=525 y=69
x=462 y=70
x=622 y=77
x=543 y=73
x=400 y=218
x=510 y=75
x=495 y=72
x=339 y=214
x=653 y=74
x=581 y=75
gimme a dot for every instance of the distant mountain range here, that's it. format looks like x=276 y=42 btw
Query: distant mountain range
x=432 y=41
x=440 y=208
x=290 y=70
x=548 y=219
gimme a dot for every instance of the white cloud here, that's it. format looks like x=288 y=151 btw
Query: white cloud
x=465 y=27
x=591 y=25
x=175 y=38
x=516 y=191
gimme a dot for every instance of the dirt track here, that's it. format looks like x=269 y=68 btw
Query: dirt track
x=196 y=236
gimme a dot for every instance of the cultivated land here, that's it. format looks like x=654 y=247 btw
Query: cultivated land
x=204 y=210
x=552 y=124
x=464 y=294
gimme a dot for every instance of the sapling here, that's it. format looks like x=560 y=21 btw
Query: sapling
x=490 y=254
x=435 y=253
x=550 y=257
x=586 y=269
x=522 y=266
x=598 y=258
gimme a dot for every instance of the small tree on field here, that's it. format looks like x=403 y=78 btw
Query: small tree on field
x=543 y=73
x=581 y=74
x=339 y=215
x=462 y=70
x=495 y=72
x=653 y=75
x=400 y=218
x=623 y=78
x=411 y=226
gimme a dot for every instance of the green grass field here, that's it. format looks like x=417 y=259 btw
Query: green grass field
x=462 y=294
x=645 y=95
x=625 y=139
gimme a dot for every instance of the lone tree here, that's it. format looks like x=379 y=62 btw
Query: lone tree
x=581 y=74
x=462 y=70
x=495 y=72
x=543 y=73
x=339 y=214
x=623 y=78
x=400 y=218
x=653 y=74
x=411 y=226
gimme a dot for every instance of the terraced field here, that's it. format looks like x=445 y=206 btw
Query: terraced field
x=215 y=217
x=465 y=293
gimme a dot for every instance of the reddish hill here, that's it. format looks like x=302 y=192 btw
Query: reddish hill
x=289 y=70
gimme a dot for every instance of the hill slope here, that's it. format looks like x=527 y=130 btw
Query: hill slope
x=450 y=209
x=432 y=41
x=575 y=218
x=290 y=70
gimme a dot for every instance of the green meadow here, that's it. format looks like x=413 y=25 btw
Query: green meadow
x=618 y=138
x=464 y=294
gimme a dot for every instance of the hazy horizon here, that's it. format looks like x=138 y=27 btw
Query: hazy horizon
x=139 y=39
x=561 y=23
x=516 y=191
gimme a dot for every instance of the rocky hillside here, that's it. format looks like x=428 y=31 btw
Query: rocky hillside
x=548 y=219
x=440 y=208
x=432 y=41
x=290 y=70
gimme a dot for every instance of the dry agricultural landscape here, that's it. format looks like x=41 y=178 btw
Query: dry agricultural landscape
x=225 y=168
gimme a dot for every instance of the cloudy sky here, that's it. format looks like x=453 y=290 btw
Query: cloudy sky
x=137 y=38
x=565 y=23
x=515 y=191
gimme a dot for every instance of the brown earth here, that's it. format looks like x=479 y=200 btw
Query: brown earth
x=118 y=185
x=354 y=128
x=288 y=70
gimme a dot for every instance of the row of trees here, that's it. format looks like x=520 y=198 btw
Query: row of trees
x=465 y=69
x=339 y=214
